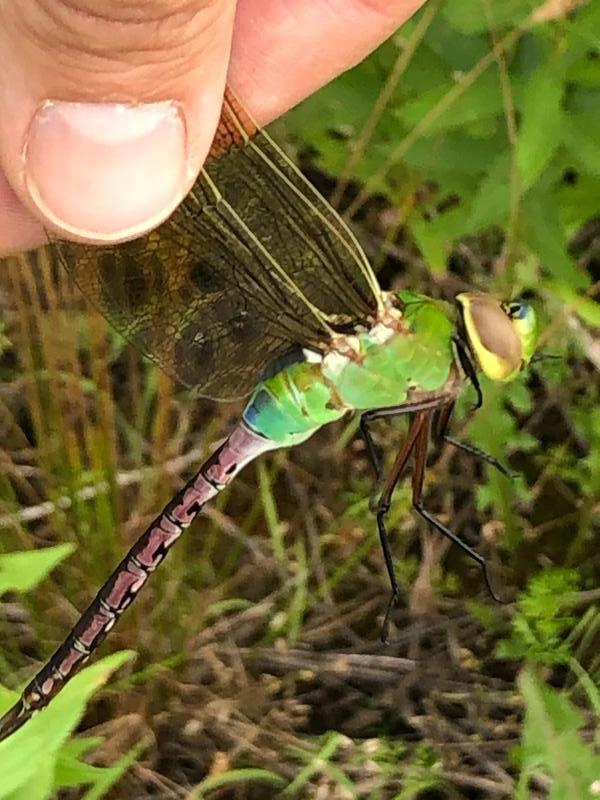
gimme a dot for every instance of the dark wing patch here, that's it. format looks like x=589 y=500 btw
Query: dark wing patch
x=252 y=264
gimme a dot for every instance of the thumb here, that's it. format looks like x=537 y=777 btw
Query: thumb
x=107 y=109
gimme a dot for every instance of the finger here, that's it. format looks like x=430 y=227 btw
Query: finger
x=106 y=112
x=19 y=229
x=281 y=52
x=305 y=44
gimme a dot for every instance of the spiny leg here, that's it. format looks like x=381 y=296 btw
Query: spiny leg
x=383 y=413
x=381 y=504
x=467 y=447
x=417 y=437
x=441 y=434
x=420 y=420
x=417 y=486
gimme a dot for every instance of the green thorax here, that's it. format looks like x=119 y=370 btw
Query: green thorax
x=407 y=350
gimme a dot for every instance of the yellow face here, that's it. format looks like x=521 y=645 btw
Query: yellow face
x=501 y=335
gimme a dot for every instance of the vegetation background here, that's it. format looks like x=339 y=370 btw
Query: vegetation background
x=466 y=152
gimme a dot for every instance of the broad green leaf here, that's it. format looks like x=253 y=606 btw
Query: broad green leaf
x=583 y=33
x=425 y=72
x=581 y=135
x=26 y=755
x=491 y=201
x=470 y=17
x=584 y=71
x=456 y=153
x=39 y=786
x=436 y=237
x=71 y=772
x=480 y=101
x=578 y=202
x=541 y=121
x=549 y=240
x=22 y=571
x=433 y=247
x=457 y=50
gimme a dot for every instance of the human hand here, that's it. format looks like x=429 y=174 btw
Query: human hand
x=107 y=109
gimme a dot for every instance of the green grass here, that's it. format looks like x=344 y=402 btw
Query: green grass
x=466 y=153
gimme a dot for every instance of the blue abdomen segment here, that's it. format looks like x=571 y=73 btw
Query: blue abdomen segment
x=290 y=406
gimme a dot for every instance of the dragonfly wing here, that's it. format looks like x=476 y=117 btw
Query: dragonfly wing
x=199 y=318
x=252 y=264
x=295 y=223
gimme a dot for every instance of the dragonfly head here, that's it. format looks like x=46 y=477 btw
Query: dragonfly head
x=501 y=335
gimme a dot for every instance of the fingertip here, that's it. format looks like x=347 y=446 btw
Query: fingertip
x=105 y=141
x=106 y=171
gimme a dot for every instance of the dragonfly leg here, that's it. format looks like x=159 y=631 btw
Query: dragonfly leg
x=417 y=439
x=442 y=435
x=417 y=486
x=383 y=413
x=419 y=422
x=365 y=419
x=479 y=453
x=466 y=362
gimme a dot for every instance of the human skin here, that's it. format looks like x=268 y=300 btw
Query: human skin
x=135 y=90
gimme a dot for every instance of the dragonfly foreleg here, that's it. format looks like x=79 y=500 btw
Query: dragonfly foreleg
x=467 y=447
x=442 y=435
x=466 y=362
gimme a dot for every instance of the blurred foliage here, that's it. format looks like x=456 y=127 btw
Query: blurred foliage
x=543 y=619
x=466 y=151
x=20 y=572
x=552 y=744
x=491 y=119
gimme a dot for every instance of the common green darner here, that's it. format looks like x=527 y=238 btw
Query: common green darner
x=255 y=285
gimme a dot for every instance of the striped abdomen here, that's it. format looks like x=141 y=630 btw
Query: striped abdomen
x=121 y=588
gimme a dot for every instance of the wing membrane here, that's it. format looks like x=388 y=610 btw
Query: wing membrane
x=253 y=263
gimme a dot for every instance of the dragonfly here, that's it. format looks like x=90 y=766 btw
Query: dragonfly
x=255 y=288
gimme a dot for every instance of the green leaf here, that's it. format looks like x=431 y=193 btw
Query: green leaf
x=469 y=17
x=584 y=307
x=547 y=237
x=71 y=772
x=27 y=756
x=541 y=121
x=480 y=102
x=583 y=34
x=552 y=743
x=581 y=135
x=543 y=618
x=577 y=203
x=457 y=153
x=457 y=50
x=436 y=237
x=22 y=571
x=235 y=777
x=491 y=201
x=433 y=247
